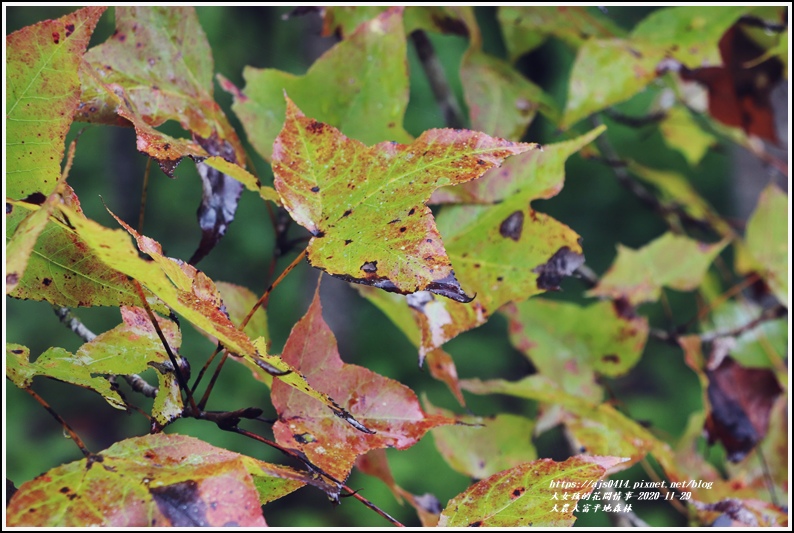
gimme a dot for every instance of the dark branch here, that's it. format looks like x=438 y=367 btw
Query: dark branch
x=453 y=117
x=635 y=122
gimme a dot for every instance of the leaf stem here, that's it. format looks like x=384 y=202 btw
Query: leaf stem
x=453 y=117
x=77 y=440
x=263 y=300
x=143 y=194
x=177 y=368
x=312 y=467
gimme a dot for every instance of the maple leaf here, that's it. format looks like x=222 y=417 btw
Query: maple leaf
x=42 y=93
x=670 y=261
x=389 y=409
x=157 y=66
x=524 y=494
x=156 y=480
x=364 y=101
x=365 y=206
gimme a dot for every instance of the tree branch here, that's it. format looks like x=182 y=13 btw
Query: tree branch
x=453 y=117
x=623 y=176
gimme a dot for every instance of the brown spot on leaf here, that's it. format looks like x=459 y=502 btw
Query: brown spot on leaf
x=561 y=264
x=347 y=213
x=315 y=189
x=449 y=287
x=402 y=229
x=46 y=282
x=348 y=241
x=623 y=308
x=370 y=266
x=56 y=37
x=610 y=358
x=69 y=29
x=512 y=226
x=518 y=491
x=181 y=503
x=478 y=523
x=315 y=127
x=36 y=198
x=412 y=211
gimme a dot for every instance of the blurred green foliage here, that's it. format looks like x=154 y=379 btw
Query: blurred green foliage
x=660 y=390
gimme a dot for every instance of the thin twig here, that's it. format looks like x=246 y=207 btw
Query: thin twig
x=299 y=456
x=453 y=117
x=77 y=440
x=266 y=295
x=710 y=336
x=74 y=324
x=635 y=122
x=143 y=194
x=177 y=368
x=587 y=275
x=644 y=195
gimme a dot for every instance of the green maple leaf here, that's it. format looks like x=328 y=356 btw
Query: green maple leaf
x=42 y=93
x=365 y=206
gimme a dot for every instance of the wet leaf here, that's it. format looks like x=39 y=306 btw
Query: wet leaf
x=677 y=189
x=598 y=427
x=375 y=463
x=571 y=344
x=366 y=207
x=160 y=57
x=129 y=348
x=768 y=242
x=395 y=307
x=21 y=240
x=343 y=20
x=739 y=91
x=669 y=261
x=63 y=270
x=190 y=293
x=158 y=65
x=478 y=447
x=764 y=346
x=156 y=480
x=741 y=399
x=523 y=495
x=527 y=27
x=501 y=101
x=503 y=253
x=732 y=512
x=607 y=72
x=507 y=252
x=389 y=411
x=42 y=93
x=365 y=102
x=537 y=174
x=689 y=33
x=682 y=133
